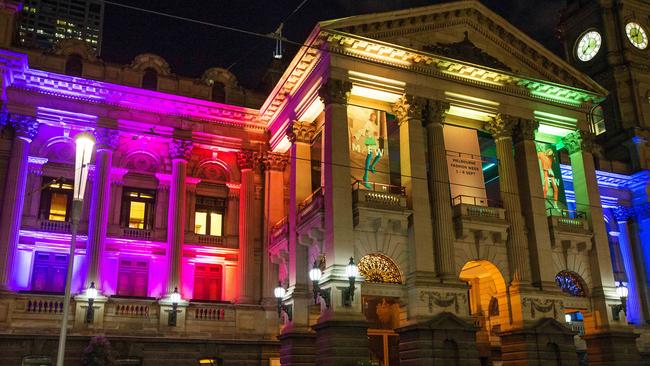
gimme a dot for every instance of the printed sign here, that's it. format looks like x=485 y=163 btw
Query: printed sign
x=552 y=184
x=369 y=151
x=465 y=166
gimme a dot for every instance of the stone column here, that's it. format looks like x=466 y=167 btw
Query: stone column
x=33 y=190
x=501 y=128
x=532 y=205
x=422 y=270
x=443 y=229
x=25 y=129
x=247 y=271
x=179 y=152
x=609 y=342
x=341 y=332
x=106 y=141
x=274 y=211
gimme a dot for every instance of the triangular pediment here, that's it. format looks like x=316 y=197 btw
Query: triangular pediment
x=470 y=32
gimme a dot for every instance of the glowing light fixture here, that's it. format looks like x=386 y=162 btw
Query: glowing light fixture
x=370 y=93
x=315 y=275
x=85 y=143
x=622 y=292
x=279 y=293
x=352 y=271
x=91 y=294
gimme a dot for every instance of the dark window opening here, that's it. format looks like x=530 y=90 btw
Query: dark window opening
x=150 y=79
x=74 y=65
x=218 y=92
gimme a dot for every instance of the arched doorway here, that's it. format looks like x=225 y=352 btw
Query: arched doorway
x=488 y=306
x=382 y=311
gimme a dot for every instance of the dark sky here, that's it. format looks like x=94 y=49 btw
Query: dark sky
x=191 y=48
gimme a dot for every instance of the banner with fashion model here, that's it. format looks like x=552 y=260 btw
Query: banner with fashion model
x=552 y=184
x=465 y=166
x=369 y=150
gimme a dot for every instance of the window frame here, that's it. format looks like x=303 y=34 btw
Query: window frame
x=210 y=205
x=149 y=210
x=45 y=205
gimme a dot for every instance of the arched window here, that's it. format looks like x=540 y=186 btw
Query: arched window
x=218 y=92
x=74 y=65
x=150 y=79
x=379 y=268
x=571 y=283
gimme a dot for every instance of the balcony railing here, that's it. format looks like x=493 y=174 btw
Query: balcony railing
x=378 y=194
x=577 y=326
x=568 y=220
x=210 y=239
x=55 y=226
x=480 y=207
x=137 y=233
x=310 y=206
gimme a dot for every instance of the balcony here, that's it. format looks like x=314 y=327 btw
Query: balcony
x=311 y=208
x=569 y=227
x=377 y=195
x=55 y=226
x=479 y=218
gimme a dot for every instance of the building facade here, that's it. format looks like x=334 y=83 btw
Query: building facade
x=440 y=149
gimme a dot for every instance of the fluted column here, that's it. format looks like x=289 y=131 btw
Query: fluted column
x=501 y=128
x=443 y=229
x=274 y=211
x=179 y=152
x=247 y=270
x=25 y=128
x=106 y=143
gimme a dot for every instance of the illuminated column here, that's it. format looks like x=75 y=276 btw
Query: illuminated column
x=247 y=271
x=532 y=204
x=25 y=129
x=274 y=211
x=179 y=152
x=501 y=127
x=300 y=186
x=414 y=172
x=162 y=201
x=637 y=301
x=106 y=143
x=443 y=228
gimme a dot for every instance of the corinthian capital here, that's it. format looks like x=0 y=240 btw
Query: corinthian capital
x=246 y=160
x=106 y=139
x=408 y=107
x=26 y=127
x=272 y=161
x=180 y=149
x=501 y=126
x=298 y=131
x=335 y=91
x=578 y=141
x=434 y=112
x=525 y=130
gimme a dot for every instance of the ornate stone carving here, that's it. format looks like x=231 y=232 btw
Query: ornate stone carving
x=434 y=112
x=35 y=165
x=578 y=141
x=525 y=130
x=246 y=159
x=272 y=161
x=233 y=190
x=501 y=126
x=407 y=107
x=335 y=91
x=180 y=149
x=542 y=306
x=378 y=268
x=26 y=127
x=465 y=50
x=623 y=213
x=106 y=139
x=442 y=300
x=298 y=131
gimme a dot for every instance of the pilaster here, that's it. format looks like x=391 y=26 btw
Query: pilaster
x=246 y=161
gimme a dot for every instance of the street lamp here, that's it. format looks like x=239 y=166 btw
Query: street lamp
x=279 y=293
x=352 y=272
x=315 y=274
x=84 y=146
x=175 y=298
x=91 y=294
x=622 y=292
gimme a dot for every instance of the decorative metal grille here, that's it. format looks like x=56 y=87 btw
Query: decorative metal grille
x=571 y=283
x=378 y=268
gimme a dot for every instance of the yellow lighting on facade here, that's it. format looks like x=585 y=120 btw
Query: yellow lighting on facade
x=469 y=113
x=370 y=93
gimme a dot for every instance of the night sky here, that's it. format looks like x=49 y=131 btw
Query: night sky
x=191 y=48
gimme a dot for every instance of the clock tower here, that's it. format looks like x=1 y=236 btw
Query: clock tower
x=608 y=40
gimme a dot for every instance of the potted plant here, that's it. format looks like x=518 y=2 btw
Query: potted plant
x=98 y=352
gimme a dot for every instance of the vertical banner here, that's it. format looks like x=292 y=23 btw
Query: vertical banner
x=552 y=184
x=467 y=184
x=368 y=134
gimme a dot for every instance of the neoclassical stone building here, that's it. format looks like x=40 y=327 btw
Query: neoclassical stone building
x=440 y=149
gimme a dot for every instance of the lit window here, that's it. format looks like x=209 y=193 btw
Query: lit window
x=137 y=209
x=208 y=216
x=210 y=361
x=56 y=199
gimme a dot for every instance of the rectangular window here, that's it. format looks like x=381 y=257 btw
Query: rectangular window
x=207 y=282
x=49 y=272
x=208 y=216
x=132 y=278
x=137 y=208
x=56 y=199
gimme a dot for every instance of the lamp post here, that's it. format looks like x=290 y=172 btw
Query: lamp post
x=84 y=148
x=315 y=274
x=91 y=294
x=622 y=292
x=279 y=293
x=352 y=272
x=175 y=298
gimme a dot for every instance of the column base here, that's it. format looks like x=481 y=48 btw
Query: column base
x=444 y=340
x=614 y=348
x=297 y=348
x=547 y=342
x=341 y=343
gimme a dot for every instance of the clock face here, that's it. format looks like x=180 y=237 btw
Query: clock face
x=588 y=45
x=636 y=35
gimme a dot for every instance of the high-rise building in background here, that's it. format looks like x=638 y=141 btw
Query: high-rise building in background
x=43 y=22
